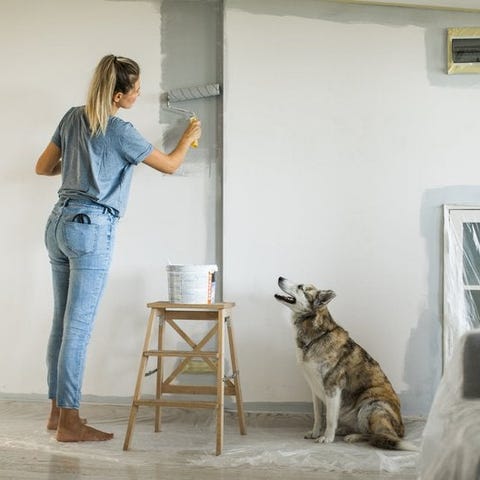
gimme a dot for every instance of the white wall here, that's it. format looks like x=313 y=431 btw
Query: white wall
x=343 y=138
x=49 y=51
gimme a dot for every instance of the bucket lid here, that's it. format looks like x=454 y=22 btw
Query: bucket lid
x=196 y=267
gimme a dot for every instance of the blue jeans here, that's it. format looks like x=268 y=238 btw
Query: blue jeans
x=79 y=237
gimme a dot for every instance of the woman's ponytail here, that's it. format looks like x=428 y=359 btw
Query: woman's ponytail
x=112 y=75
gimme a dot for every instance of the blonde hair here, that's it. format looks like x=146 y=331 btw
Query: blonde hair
x=112 y=75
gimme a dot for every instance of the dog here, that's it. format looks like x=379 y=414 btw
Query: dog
x=359 y=400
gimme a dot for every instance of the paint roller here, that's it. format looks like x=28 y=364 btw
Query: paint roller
x=177 y=95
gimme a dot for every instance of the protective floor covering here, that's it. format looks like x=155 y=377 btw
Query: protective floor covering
x=273 y=442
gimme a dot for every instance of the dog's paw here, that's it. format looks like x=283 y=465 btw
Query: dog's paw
x=353 y=438
x=311 y=435
x=325 y=439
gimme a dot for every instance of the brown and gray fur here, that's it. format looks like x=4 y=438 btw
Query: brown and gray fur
x=358 y=398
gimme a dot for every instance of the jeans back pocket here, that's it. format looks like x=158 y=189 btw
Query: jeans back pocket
x=80 y=238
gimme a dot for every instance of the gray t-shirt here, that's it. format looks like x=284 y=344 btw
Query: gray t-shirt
x=99 y=167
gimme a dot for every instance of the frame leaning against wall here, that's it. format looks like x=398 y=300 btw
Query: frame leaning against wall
x=461 y=273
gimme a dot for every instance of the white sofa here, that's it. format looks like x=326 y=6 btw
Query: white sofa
x=451 y=439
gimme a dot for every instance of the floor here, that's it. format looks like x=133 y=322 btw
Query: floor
x=185 y=449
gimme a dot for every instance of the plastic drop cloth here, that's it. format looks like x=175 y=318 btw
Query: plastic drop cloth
x=274 y=441
x=277 y=441
x=451 y=440
x=461 y=274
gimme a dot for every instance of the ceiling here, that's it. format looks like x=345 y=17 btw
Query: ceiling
x=462 y=5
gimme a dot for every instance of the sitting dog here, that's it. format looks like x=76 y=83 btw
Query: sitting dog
x=342 y=376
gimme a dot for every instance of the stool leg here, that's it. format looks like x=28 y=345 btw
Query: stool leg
x=236 y=379
x=140 y=376
x=158 y=393
x=220 y=385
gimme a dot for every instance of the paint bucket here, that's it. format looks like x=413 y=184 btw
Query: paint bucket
x=191 y=283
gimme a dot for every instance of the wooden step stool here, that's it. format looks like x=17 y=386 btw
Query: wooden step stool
x=169 y=314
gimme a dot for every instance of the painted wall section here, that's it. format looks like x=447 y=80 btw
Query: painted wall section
x=191 y=45
x=343 y=138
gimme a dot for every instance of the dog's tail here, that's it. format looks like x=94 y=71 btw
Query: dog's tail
x=386 y=441
x=391 y=442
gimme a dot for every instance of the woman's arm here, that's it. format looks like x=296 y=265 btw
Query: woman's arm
x=169 y=162
x=49 y=162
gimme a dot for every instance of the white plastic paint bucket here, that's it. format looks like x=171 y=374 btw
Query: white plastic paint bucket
x=191 y=283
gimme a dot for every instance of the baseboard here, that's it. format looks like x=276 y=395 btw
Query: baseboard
x=253 y=407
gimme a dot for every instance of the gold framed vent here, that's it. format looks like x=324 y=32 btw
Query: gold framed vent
x=463 y=46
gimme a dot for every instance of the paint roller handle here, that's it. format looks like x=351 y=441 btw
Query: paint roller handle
x=195 y=124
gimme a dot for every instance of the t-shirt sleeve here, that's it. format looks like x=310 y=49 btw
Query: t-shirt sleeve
x=134 y=146
x=56 y=137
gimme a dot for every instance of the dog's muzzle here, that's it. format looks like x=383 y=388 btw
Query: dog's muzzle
x=286 y=299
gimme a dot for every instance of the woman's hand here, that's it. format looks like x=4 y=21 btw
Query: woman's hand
x=193 y=132
x=168 y=163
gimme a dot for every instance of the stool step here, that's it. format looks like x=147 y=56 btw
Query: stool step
x=196 y=389
x=191 y=315
x=179 y=353
x=175 y=403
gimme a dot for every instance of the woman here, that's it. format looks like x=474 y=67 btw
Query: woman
x=95 y=153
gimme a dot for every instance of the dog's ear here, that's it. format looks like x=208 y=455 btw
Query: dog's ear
x=323 y=297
